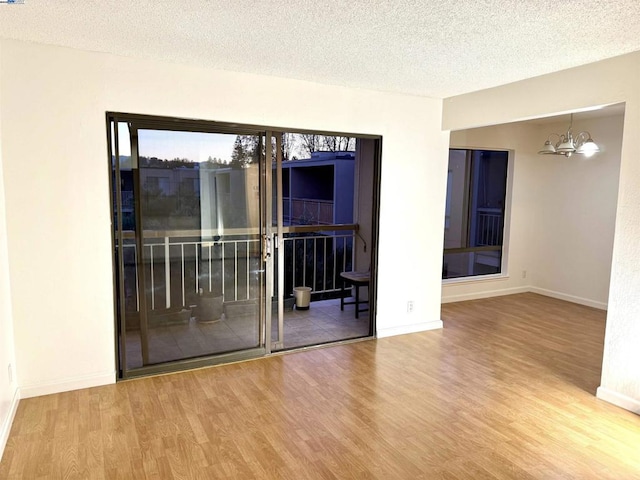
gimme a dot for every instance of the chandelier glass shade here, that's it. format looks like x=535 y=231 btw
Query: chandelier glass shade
x=567 y=144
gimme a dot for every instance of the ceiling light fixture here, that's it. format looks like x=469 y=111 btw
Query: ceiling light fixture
x=567 y=145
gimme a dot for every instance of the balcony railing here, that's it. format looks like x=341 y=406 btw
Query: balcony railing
x=489 y=229
x=308 y=211
x=316 y=260
x=485 y=257
x=178 y=267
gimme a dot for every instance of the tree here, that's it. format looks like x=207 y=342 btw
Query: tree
x=309 y=143
x=211 y=163
x=288 y=143
x=337 y=144
x=245 y=151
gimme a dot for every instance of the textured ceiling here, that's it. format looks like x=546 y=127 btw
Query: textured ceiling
x=436 y=48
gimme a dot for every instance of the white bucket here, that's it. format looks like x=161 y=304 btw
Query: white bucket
x=303 y=297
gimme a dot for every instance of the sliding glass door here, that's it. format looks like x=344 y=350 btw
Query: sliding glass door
x=188 y=240
x=229 y=243
x=324 y=205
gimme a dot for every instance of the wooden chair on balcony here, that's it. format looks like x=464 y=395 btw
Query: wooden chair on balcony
x=356 y=280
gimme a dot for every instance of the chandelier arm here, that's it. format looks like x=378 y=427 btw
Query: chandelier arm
x=557 y=135
x=568 y=144
x=582 y=137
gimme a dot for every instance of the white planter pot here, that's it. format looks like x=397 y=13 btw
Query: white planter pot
x=303 y=297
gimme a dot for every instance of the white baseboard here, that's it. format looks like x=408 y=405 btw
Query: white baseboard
x=569 y=298
x=8 y=421
x=484 y=294
x=404 y=329
x=67 y=384
x=510 y=291
x=619 y=399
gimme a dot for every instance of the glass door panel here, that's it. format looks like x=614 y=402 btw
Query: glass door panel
x=201 y=243
x=188 y=243
x=314 y=197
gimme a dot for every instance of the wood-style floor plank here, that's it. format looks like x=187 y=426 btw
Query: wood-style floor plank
x=506 y=390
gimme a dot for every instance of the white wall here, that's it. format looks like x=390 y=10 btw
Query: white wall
x=8 y=386
x=562 y=213
x=607 y=82
x=575 y=212
x=57 y=196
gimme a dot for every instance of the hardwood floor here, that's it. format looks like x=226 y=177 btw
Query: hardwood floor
x=505 y=390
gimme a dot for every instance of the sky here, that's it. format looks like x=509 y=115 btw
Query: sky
x=194 y=146
x=167 y=144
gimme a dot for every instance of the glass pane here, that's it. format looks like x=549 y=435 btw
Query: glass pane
x=489 y=190
x=128 y=307
x=318 y=179
x=456 y=209
x=471 y=263
x=199 y=204
x=474 y=212
x=318 y=190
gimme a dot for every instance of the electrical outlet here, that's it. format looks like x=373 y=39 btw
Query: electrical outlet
x=10 y=369
x=410 y=306
x=524 y=274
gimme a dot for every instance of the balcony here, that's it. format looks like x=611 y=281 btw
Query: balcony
x=181 y=268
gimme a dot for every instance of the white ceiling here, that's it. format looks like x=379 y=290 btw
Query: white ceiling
x=436 y=48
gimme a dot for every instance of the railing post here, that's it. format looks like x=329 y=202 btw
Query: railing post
x=182 y=272
x=167 y=273
x=152 y=278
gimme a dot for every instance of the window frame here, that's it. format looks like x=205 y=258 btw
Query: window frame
x=506 y=229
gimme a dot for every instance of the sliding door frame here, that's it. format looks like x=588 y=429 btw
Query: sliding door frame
x=272 y=238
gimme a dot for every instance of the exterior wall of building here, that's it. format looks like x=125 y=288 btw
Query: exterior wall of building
x=320 y=190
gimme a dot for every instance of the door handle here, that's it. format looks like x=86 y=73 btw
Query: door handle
x=266 y=243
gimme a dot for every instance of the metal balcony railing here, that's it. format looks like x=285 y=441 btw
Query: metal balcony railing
x=179 y=267
x=489 y=228
x=308 y=211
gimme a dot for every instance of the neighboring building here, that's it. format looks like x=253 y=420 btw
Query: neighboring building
x=319 y=190
x=316 y=191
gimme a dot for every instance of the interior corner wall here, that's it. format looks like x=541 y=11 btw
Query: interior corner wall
x=58 y=204
x=562 y=217
x=602 y=83
x=8 y=385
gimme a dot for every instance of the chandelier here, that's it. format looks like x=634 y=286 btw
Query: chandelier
x=567 y=144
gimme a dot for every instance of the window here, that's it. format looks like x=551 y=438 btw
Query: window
x=474 y=213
